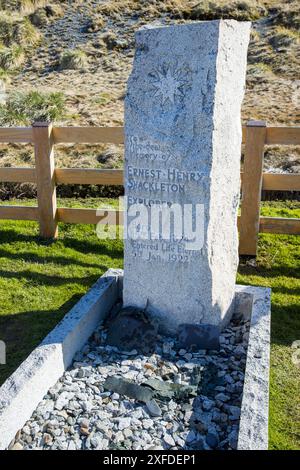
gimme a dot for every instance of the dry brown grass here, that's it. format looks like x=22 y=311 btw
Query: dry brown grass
x=15 y=28
x=23 y=6
x=96 y=95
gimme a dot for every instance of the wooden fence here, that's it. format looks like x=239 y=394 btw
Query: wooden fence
x=44 y=137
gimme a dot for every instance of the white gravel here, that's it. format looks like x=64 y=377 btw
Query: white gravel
x=78 y=413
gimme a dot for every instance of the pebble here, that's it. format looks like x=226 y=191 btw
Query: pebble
x=232 y=439
x=212 y=440
x=235 y=412
x=127 y=432
x=72 y=445
x=207 y=405
x=188 y=357
x=17 y=446
x=147 y=423
x=177 y=379
x=191 y=436
x=168 y=439
x=239 y=351
x=222 y=397
x=153 y=408
x=47 y=438
x=124 y=423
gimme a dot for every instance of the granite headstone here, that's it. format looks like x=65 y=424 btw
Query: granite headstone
x=182 y=149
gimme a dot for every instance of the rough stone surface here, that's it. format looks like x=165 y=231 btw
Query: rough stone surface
x=182 y=145
x=253 y=430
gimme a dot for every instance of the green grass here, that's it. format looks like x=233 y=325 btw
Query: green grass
x=25 y=108
x=11 y=58
x=278 y=267
x=39 y=283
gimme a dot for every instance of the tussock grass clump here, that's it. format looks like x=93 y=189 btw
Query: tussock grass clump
x=73 y=59
x=11 y=58
x=43 y=15
x=117 y=7
x=39 y=18
x=284 y=37
x=18 y=30
x=246 y=10
x=288 y=15
x=25 y=108
x=259 y=73
x=4 y=77
x=148 y=9
x=23 y=6
x=94 y=25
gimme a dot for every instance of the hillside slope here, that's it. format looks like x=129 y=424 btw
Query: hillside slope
x=85 y=50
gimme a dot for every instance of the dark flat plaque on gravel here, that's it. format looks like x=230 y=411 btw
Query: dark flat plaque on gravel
x=129 y=389
x=132 y=329
x=195 y=337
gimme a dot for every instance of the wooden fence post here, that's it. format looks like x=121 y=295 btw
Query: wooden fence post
x=251 y=188
x=45 y=175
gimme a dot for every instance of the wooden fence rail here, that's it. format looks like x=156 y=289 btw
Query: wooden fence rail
x=44 y=137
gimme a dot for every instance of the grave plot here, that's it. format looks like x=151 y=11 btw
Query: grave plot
x=197 y=375
x=157 y=396
x=165 y=399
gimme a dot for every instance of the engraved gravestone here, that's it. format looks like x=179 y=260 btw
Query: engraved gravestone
x=182 y=170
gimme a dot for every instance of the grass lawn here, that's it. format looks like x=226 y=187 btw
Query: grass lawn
x=39 y=283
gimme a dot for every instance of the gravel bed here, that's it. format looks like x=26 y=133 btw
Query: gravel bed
x=80 y=413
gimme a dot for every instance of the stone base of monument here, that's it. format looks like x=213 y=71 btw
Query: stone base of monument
x=33 y=386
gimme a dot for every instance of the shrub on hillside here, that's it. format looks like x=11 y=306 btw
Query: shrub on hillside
x=246 y=10
x=73 y=59
x=287 y=15
x=15 y=29
x=11 y=58
x=20 y=5
x=283 y=38
x=25 y=108
x=43 y=15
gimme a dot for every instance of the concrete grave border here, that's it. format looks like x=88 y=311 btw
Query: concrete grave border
x=26 y=387
x=254 y=419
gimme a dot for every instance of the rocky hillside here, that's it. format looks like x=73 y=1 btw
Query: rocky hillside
x=84 y=50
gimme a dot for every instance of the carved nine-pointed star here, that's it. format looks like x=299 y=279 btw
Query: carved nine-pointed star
x=167 y=86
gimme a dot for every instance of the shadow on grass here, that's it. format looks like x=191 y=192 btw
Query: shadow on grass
x=48 y=280
x=285 y=323
x=35 y=258
x=23 y=331
x=285 y=315
x=280 y=271
x=98 y=247
x=108 y=247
